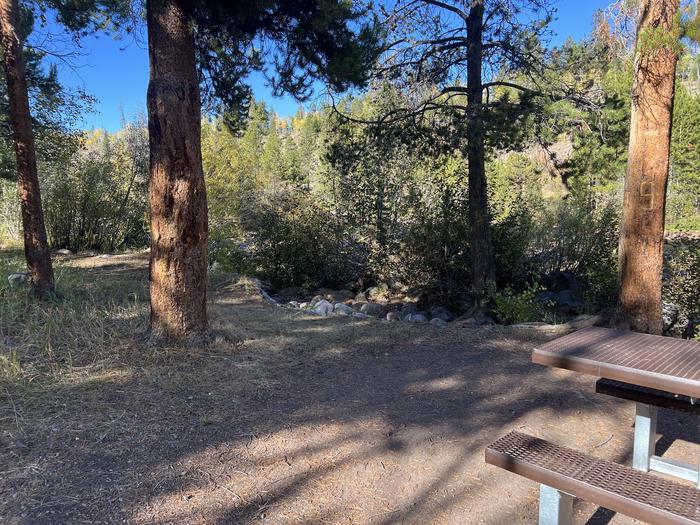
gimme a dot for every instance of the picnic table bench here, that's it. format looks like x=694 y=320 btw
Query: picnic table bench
x=652 y=371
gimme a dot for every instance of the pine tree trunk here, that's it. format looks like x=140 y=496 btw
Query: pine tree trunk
x=177 y=195
x=483 y=270
x=36 y=248
x=641 y=237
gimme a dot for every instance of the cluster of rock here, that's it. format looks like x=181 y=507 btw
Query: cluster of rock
x=563 y=294
x=375 y=302
x=676 y=323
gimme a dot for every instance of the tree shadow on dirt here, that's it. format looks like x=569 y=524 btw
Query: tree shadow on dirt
x=314 y=421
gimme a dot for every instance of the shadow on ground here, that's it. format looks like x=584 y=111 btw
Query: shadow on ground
x=309 y=420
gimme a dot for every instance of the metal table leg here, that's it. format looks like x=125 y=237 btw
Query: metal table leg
x=556 y=508
x=643 y=457
x=644 y=436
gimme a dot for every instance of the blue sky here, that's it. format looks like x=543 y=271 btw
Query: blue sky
x=115 y=72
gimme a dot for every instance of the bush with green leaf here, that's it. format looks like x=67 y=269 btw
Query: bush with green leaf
x=296 y=242
x=515 y=307
x=682 y=279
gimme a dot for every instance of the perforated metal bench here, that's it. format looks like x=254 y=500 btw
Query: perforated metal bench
x=564 y=473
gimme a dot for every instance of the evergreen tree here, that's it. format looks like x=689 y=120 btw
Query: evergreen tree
x=215 y=43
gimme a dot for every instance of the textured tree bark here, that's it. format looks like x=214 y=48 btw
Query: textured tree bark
x=483 y=271
x=177 y=195
x=36 y=248
x=641 y=237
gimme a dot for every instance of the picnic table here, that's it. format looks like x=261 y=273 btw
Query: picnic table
x=654 y=370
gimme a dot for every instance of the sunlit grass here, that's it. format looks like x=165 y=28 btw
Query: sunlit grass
x=95 y=320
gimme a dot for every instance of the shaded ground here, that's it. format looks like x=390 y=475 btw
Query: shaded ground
x=307 y=420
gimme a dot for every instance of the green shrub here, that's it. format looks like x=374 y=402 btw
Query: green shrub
x=576 y=238
x=229 y=256
x=297 y=243
x=517 y=307
x=682 y=282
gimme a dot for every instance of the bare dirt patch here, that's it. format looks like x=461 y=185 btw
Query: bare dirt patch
x=304 y=420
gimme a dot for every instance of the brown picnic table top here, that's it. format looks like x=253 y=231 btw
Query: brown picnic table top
x=653 y=361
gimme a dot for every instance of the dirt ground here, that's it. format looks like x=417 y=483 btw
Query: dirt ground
x=308 y=420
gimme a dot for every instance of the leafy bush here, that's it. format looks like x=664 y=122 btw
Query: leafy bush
x=230 y=256
x=571 y=237
x=682 y=279
x=97 y=198
x=10 y=219
x=297 y=243
x=517 y=307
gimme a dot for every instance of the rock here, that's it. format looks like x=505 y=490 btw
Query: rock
x=360 y=315
x=316 y=299
x=442 y=313
x=669 y=312
x=343 y=309
x=304 y=305
x=17 y=278
x=361 y=298
x=64 y=251
x=568 y=299
x=565 y=301
x=483 y=317
x=105 y=256
x=547 y=297
x=293 y=304
x=323 y=308
x=437 y=322
x=582 y=321
x=416 y=318
x=372 y=309
x=393 y=316
x=407 y=309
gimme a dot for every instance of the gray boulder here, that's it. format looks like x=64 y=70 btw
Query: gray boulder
x=669 y=312
x=323 y=308
x=565 y=301
x=316 y=299
x=418 y=318
x=438 y=323
x=568 y=299
x=372 y=309
x=343 y=309
x=407 y=309
x=393 y=316
x=17 y=278
x=442 y=313
x=547 y=297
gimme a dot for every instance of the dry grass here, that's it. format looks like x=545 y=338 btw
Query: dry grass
x=88 y=331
